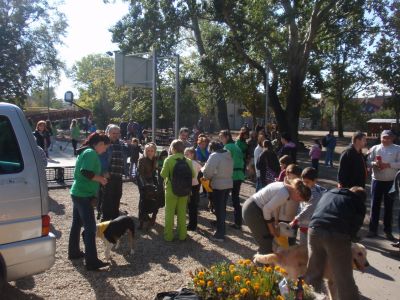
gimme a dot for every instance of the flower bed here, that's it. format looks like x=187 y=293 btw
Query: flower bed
x=245 y=280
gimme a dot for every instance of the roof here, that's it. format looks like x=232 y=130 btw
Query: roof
x=390 y=121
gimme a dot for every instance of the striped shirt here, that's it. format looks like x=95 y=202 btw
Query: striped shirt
x=307 y=208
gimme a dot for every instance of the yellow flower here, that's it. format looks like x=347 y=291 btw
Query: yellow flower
x=237 y=278
x=279 y=297
x=194 y=280
x=202 y=283
x=240 y=261
x=219 y=289
x=247 y=262
x=256 y=286
x=223 y=273
x=201 y=274
x=243 y=291
x=268 y=270
x=231 y=267
x=277 y=268
x=209 y=283
x=255 y=273
x=248 y=282
x=282 y=270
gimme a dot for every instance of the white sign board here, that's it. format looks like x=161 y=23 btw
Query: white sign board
x=133 y=71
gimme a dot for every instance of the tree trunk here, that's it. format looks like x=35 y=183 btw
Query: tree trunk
x=222 y=111
x=294 y=100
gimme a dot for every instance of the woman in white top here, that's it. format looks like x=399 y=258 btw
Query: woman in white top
x=258 y=210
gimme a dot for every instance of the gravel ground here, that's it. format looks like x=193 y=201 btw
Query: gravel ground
x=156 y=265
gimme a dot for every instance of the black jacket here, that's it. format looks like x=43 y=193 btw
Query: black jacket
x=339 y=210
x=352 y=168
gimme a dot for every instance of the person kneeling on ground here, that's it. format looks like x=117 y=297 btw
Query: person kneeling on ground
x=259 y=209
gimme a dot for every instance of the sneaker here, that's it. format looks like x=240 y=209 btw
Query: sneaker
x=390 y=236
x=236 y=226
x=396 y=245
x=371 y=234
x=98 y=265
x=78 y=255
x=216 y=239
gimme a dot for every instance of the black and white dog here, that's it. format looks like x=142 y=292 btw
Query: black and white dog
x=110 y=233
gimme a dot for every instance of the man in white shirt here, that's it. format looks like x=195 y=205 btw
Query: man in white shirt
x=385 y=162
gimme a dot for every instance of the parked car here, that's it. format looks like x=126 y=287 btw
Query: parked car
x=27 y=246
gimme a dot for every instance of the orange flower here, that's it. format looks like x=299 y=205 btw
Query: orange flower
x=243 y=291
x=248 y=282
x=279 y=297
x=247 y=262
x=237 y=278
x=202 y=283
x=201 y=274
x=210 y=283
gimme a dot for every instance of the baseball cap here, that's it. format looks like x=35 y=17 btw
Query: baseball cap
x=387 y=132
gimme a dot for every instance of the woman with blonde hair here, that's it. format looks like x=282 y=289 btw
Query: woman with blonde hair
x=148 y=183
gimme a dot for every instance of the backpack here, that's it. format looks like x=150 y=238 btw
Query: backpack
x=181 y=178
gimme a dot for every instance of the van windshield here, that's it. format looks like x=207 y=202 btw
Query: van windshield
x=10 y=155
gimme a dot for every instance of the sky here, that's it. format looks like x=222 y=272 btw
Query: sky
x=87 y=33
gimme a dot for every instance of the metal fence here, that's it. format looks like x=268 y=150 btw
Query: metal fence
x=63 y=177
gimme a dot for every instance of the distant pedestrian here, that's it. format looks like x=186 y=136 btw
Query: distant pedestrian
x=241 y=142
x=352 y=163
x=315 y=154
x=75 y=135
x=329 y=142
x=385 y=162
x=261 y=137
x=134 y=150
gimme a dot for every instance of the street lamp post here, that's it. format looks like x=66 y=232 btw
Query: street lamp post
x=48 y=97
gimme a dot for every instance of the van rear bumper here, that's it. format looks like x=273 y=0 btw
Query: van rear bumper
x=29 y=257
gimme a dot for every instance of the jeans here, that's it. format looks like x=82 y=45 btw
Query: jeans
x=219 y=199
x=259 y=184
x=329 y=156
x=83 y=215
x=254 y=219
x=193 y=206
x=327 y=246
x=112 y=193
x=236 y=202
x=381 y=189
x=315 y=163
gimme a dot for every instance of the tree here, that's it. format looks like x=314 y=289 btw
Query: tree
x=165 y=25
x=29 y=33
x=94 y=77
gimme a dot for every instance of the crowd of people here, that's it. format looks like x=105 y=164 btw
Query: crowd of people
x=327 y=221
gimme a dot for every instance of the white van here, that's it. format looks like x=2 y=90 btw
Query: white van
x=26 y=245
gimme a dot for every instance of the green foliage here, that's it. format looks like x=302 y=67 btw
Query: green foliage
x=94 y=77
x=30 y=30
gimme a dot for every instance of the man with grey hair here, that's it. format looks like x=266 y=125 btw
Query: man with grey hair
x=113 y=167
x=385 y=162
x=184 y=136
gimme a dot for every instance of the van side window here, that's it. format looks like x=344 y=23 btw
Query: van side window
x=10 y=155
